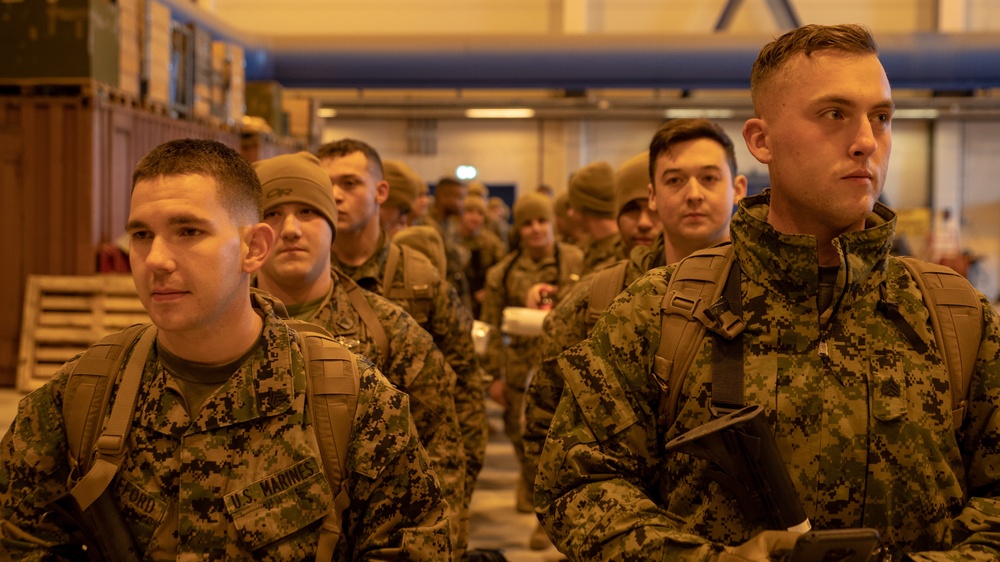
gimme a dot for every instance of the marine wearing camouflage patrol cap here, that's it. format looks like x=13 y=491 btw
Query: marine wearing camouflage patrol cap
x=632 y=181
x=592 y=189
x=404 y=185
x=297 y=178
x=532 y=206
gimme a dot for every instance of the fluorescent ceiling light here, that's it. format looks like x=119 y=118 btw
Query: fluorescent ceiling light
x=326 y=112
x=916 y=114
x=690 y=113
x=500 y=113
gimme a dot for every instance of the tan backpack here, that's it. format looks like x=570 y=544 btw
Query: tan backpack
x=332 y=391
x=694 y=303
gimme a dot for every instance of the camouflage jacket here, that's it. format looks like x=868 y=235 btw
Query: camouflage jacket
x=450 y=325
x=414 y=365
x=603 y=252
x=507 y=284
x=244 y=480
x=565 y=327
x=861 y=450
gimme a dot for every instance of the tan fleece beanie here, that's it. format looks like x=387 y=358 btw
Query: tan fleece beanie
x=404 y=185
x=476 y=203
x=592 y=189
x=632 y=181
x=297 y=178
x=477 y=188
x=532 y=206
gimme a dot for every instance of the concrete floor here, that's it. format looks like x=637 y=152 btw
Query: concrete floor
x=495 y=523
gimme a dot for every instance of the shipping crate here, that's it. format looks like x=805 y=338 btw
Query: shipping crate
x=203 y=75
x=264 y=99
x=61 y=38
x=65 y=314
x=129 y=51
x=156 y=53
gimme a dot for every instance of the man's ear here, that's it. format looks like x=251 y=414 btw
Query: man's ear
x=651 y=195
x=755 y=135
x=740 y=183
x=258 y=240
x=381 y=191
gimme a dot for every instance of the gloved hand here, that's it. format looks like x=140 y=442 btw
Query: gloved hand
x=761 y=548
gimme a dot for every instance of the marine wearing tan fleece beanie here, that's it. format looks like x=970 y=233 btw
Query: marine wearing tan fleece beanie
x=632 y=181
x=297 y=178
x=592 y=189
x=532 y=206
x=404 y=185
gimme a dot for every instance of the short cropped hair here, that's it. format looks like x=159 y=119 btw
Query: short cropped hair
x=343 y=147
x=808 y=39
x=680 y=130
x=236 y=181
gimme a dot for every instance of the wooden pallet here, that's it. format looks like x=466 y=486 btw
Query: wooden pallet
x=63 y=315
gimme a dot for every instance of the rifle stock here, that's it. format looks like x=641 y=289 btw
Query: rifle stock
x=745 y=461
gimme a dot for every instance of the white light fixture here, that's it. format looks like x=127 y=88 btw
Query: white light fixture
x=693 y=113
x=500 y=113
x=326 y=112
x=916 y=114
x=466 y=172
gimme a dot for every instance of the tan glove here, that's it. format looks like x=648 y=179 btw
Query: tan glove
x=765 y=547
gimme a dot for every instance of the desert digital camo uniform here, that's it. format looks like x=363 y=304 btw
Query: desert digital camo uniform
x=412 y=363
x=183 y=483
x=450 y=325
x=565 y=327
x=603 y=252
x=863 y=421
x=522 y=354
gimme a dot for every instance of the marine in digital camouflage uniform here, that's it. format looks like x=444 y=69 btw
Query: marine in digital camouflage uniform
x=697 y=184
x=507 y=285
x=298 y=204
x=592 y=204
x=363 y=254
x=862 y=417
x=205 y=436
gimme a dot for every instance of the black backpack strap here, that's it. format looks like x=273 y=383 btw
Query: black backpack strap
x=728 y=375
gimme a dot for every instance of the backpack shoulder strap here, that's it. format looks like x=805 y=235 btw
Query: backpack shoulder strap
x=693 y=303
x=606 y=285
x=957 y=321
x=332 y=385
x=364 y=309
x=88 y=393
x=391 y=263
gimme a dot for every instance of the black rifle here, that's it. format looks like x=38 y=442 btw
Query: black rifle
x=746 y=462
x=98 y=534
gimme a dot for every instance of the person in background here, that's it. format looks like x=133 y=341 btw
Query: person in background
x=689 y=202
x=444 y=215
x=498 y=220
x=837 y=349
x=299 y=207
x=396 y=212
x=592 y=206
x=362 y=251
x=484 y=248
x=221 y=440
x=540 y=259
x=568 y=230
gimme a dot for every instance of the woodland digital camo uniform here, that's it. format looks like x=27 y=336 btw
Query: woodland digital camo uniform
x=521 y=354
x=450 y=325
x=603 y=252
x=565 y=327
x=861 y=450
x=180 y=485
x=414 y=365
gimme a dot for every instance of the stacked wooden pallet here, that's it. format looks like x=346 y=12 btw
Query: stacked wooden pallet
x=63 y=315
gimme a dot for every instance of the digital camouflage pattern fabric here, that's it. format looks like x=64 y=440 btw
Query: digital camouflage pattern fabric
x=450 y=325
x=863 y=421
x=603 y=252
x=565 y=327
x=244 y=480
x=414 y=365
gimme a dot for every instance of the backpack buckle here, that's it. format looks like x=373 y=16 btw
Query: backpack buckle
x=720 y=319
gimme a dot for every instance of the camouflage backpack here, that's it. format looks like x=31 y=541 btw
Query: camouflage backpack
x=696 y=301
x=332 y=383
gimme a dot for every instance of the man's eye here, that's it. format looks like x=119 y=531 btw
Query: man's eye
x=190 y=232
x=140 y=235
